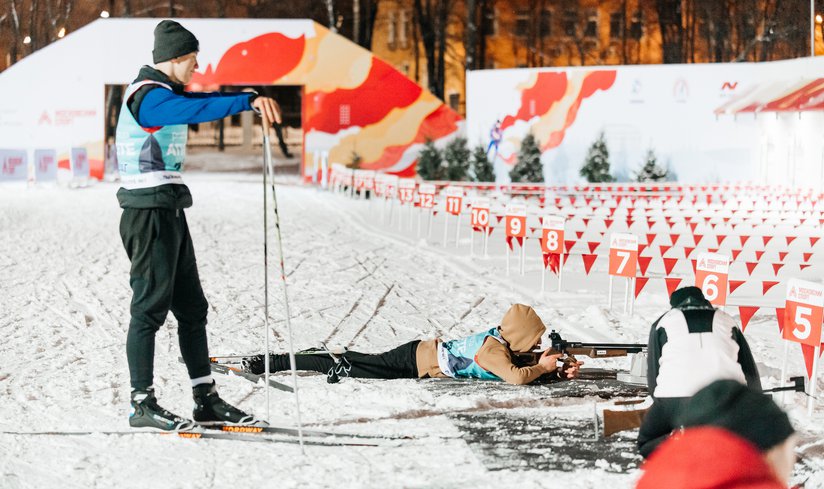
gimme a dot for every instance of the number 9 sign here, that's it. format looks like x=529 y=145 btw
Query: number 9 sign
x=552 y=238
x=515 y=221
x=803 y=312
x=711 y=273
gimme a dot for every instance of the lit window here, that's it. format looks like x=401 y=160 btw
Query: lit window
x=522 y=23
x=616 y=25
x=390 y=31
x=591 y=29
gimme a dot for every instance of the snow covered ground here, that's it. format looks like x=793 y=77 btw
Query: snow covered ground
x=353 y=281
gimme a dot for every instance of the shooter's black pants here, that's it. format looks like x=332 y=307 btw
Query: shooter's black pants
x=659 y=422
x=163 y=277
x=398 y=363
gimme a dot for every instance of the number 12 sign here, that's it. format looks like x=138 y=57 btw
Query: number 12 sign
x=427 y=193
x=711 y=272
x=623 y=255
x=552 y=237
x=803 y=312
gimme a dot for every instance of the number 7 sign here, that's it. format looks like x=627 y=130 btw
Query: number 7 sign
x=803 y=312
x=623 y=255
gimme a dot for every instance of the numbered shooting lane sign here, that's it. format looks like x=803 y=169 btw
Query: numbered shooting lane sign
x=13 y=165
x=711 y=272
x=427 y=193
x=369 y=179
x=358 y=180
x=803 y=312
x=454 y=200
x=391 y=183
x=480 y=213
x=623 y=255
x=515 y=220
x=80 y=162
x=45 y=165
x=552 y=234
x=380 y=184
x=406 y=189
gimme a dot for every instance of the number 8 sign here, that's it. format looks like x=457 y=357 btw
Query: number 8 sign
x=515 y=221
x=552 y=239
x=803 y=312
x=711 y=272
x=623 y=255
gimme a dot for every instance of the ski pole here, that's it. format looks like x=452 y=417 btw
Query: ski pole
x=267 y=157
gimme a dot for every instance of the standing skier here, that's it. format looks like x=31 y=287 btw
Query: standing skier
x=691 y=346
x=151 y=146
x=489 y=355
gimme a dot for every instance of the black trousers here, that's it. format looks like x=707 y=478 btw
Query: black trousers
x=163 y=278
x=398 y=363
x=659 y=422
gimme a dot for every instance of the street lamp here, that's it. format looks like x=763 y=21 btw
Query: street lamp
x=104 y=14
x=818 y=19
x=61 y=32
x=27 y=40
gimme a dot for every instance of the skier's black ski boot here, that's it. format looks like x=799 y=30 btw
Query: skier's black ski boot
x=147 y=414
x=211 y=409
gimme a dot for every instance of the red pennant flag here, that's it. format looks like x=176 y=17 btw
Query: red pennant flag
x=553 y=260
x=694 y=264
x=766 y=239
x=640 y=282
x=674 y=238
x=809 y=357
x=588 y=262
x=499 y=218
x=735 y=254
x=664 y=249
x=578 y=234
x=558 y=201
x=572 y=201
x=608 y=222
x=790 y=240
x=743 y=239
x=746 y=313
x=669 y=264
x=569 y=243
x=592 y=245
x=672 y=284
x=693 y=225
x=725 y=219
x=814 y=240
x=802 y=266
x=650 y=222
x=643 y=263
x=586 y=221
x=434 y=213
x=758 y=255
x=766 y=285
x=696 y=238
x=777 y=267
x=751 y=266
x=807 y=257
x=782 y=255
x=641 y=248
x=587 y=200
x=779 y=315
x=720 y=238
x=630 y=222
x=712 y=250
x=509 y=242
x=650 y=238
x=520 y=241
x=688 y=251
x=734 y=284
x=489 y=230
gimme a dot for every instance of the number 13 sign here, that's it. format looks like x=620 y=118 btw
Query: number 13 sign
x=803 y=312
x=623 y=255
x=711 y=272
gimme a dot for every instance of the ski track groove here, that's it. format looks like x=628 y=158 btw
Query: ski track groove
x=378 y=307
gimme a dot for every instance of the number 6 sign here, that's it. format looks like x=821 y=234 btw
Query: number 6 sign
x=711 y=272
x=552 y=239
x=803 y=312
x=623 y=255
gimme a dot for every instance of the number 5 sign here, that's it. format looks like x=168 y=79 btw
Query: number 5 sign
x=803 y=312
x=623 y=255
x=552 y=239
x=711 y=271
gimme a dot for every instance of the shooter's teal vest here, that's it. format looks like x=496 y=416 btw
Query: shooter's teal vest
x=148 y=156
x=456 y=358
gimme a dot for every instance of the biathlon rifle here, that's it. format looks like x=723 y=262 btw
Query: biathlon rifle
x=592 y=350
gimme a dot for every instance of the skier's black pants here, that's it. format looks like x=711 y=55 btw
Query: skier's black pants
x=398 y=363
x=163 y=277
x=659 y=422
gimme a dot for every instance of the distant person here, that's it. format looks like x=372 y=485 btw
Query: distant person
x=488 y=355
x=496 y=135
x=689 y=347
x=733 y=437
x=151 y=147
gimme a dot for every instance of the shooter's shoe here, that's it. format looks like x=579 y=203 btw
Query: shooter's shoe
x=147 y=414
x=211 y=409
x=255 y=364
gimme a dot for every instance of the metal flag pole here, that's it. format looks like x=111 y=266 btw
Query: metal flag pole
x=267 y=157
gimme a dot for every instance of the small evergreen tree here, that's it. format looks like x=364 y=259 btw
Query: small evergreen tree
x=481 y=167
x=529 y=167
x=651 y=172
x=596 y=164
x=355 y=160
x=456 y=156
x=430 y=162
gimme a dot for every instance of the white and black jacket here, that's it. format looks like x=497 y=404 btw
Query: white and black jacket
x=693 y=345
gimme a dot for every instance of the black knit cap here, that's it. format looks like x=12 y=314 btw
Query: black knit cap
x=735 y=407
x=685 y=293
x=172 y=40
